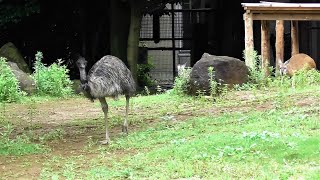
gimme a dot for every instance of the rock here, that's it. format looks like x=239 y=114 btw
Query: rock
x=26 y=82
x=12 y=54
x=227 y=70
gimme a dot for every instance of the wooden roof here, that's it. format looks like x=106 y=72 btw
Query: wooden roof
x=283 y=11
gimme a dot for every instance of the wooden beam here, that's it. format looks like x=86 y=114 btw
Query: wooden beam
x=294 y=38
x=280 y=11
x=281 y=5
x=286 y=16
x=265 y=47
x=279 y=43
x=249 y=44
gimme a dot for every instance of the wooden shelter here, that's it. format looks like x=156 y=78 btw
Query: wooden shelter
x=279 y=12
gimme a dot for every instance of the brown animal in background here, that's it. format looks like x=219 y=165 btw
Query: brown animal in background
x=296 y=63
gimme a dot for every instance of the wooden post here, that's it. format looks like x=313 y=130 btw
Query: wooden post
x=279 y=43
x=249 y=46
x=294 y=38
x=265 y=47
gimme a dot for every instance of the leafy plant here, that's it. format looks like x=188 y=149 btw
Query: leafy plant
x=181 y=83
x=305 y=78
x=257 y=77
x=9 y=87
x=53 y=80
x=144 y=78
x=213 y=83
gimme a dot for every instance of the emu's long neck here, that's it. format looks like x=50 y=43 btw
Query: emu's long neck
x=84 y=84
x=83 y=76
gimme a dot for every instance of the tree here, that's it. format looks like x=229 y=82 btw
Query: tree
x=137 y=9
x=119 y=28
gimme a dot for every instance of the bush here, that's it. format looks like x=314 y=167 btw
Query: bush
x=181 y=83
x=9 y=85
x=144 y=78
x=300 y=79
x=257 y=78
x=53 y=80
x=305 y=78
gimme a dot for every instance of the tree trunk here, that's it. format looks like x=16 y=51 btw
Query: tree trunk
x=119 y=28
x=133 y=39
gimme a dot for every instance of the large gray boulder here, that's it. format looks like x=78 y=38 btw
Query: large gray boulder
x=12 y=54
x=26 y=82
x=227 y=70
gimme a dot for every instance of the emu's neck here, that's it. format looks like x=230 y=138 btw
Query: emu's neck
x=83 y=76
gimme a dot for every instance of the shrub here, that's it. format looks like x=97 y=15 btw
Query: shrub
x=300 y=79
x=181 y=83
x=9 y=86
x=303 y=78
x=213 y=83
x=257 y=77
x=144 y=78
x=53 y=80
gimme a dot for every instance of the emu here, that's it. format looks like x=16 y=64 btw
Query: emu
x=109 y=77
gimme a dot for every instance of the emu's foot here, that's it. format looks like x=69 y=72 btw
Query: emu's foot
x=105 y=142
x=125 y=129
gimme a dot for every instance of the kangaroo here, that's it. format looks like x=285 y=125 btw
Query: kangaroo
x=295 y=63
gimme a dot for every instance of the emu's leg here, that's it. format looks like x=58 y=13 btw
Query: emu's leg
x=125 y=123
x=104 y=106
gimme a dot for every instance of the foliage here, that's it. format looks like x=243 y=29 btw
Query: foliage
x=257 y=77
x=303 y=78
x=152 y=6
x=144 y=78
x=213 y=83
x=9 y=86
x=181 y=82
x=53 y=80
x=14 y=12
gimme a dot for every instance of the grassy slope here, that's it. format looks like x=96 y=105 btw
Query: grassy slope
x=260 y=135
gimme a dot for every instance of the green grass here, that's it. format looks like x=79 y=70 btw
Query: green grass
x=266 y=134
x=21 y=145
x=270 y=144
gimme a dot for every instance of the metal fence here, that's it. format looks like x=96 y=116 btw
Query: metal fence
x=174 y=44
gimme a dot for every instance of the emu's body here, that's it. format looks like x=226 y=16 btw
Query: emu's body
x=109 y=77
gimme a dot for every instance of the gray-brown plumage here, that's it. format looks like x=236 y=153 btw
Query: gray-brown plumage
x=109 y=77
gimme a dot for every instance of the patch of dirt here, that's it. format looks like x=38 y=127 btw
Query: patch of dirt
x=55 y=112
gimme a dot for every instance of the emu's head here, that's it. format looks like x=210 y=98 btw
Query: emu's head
x=81 y=64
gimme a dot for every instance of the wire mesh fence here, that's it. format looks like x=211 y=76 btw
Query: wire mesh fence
x=169 y=39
